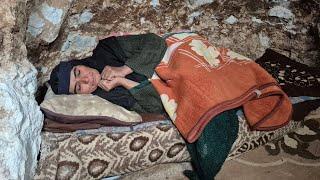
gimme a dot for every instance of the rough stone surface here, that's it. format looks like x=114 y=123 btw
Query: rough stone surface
x=20 y=116
x=247 y=27
x=45 y=21
x=62 y=30
x=78 y=45
x=78 y=19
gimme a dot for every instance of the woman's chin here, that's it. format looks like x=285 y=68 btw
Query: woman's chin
x=93 y=89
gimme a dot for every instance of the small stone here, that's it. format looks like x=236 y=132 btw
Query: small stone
x=256 y=20
x=142 y=20
x=225 y=31
x=77 y=20
x=281 y=12
x=86 y=16
x=264 y=40
x=304 y=30
x=198 y=3
x=154 y=3
x=139 y=1
x=231 y=20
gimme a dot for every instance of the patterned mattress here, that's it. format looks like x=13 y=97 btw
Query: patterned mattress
x=109 y=151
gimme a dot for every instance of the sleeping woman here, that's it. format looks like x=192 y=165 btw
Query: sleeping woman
x=118 y=71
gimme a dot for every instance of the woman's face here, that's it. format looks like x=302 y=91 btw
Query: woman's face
x=83 y=80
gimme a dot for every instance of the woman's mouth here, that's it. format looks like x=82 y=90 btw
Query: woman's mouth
x=96 y=79
x=93 y=80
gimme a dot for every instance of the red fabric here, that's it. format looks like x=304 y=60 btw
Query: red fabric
x=197 y=81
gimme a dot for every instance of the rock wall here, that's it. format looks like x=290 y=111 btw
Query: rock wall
x=20 y=116
x=247 y=27
x=55 y=30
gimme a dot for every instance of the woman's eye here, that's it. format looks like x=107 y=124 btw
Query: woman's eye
x=77 y=73
x=78 y=88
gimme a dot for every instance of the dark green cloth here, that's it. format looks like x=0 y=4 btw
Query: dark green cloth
x=148 y=99
x=143 y=52
x=209 y=152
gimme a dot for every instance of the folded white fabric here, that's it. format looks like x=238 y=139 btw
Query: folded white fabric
x=86 y=106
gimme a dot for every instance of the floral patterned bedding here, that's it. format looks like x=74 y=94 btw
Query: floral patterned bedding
x=109 y=151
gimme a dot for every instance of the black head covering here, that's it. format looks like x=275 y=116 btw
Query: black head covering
x=60 y=76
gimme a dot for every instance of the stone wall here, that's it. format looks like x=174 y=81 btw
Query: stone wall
x=36 y=34
x=246 y=26
x=20 y=116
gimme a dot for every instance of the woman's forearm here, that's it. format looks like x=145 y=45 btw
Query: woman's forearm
x=126 y=69
x=127 y=83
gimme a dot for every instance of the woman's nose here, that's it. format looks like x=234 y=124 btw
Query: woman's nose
x=84 y=79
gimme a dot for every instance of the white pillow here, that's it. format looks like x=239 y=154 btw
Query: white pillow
x=81 y=108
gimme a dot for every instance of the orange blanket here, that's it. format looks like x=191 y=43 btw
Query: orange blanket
x=197 y=81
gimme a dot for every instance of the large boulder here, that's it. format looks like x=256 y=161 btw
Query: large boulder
x=20 y=117
x=45 y=21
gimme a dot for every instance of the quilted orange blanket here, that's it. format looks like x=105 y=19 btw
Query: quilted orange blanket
x=197 y=81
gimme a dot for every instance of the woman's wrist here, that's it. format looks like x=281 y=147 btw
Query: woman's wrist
x=126 y=70
x=127 y=83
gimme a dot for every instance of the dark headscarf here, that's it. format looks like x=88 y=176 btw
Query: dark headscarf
x=60 y=76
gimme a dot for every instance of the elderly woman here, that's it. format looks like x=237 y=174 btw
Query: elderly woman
x=118 y=71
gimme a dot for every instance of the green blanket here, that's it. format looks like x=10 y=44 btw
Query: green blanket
x=209 y=152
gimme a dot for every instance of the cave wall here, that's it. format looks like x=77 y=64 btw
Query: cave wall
x=20 y=116
x=35 y=35
x=247 y=27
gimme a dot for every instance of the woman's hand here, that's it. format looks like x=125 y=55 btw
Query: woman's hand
x=108 y=85
x=110 y=72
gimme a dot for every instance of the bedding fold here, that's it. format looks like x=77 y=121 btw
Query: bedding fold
x=62 y=125
x=197 y=81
